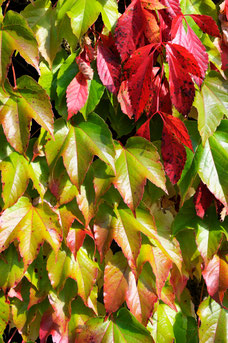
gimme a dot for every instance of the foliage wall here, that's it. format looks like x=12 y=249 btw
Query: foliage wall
x=114 y=171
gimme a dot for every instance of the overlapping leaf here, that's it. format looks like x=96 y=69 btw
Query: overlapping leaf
x=135 y=163
x=31 y=226
x=123 y=327
x=78 y=144
x=213 y=322
x=212 y=164
x=29 y=101
x=15 y=34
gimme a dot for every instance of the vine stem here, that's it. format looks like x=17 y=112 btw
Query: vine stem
x=14 y=77
x=7 y=5
x=12 y=336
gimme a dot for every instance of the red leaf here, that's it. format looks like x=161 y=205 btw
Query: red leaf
x=173 y=154
x=76 y=94
x=177 y=128
x=140 y=70
x=75 y=239
x=202 y=199
x=185 y=59
x=144 y=130
x=109 y=68
x=129 y=29
x=206 y=24
x=182 y=89
x=216 y=277
x=193 y=44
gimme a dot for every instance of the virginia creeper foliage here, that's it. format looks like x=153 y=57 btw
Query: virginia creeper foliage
x=114 y=171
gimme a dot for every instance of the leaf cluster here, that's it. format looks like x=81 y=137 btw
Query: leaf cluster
x=114 y=171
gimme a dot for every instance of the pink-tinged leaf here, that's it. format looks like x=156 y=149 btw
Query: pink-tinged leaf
x=159 y=262
x=193 y=44
x=206 y=24
x=168 y=297
x=108 y=67
x=172 y=7
x=76 y=94
x=177 y=128
x=141 y=73
x=151 y=27
x=129 y=29
x=115 y=282
x=84 y=67
x=152 y=4
x=182 y=89
x=103 y=231
x=141 y=296
x=202 y=199
x=216 y=277
x=124 y=99
x=161 y=266
x=178 y=280
x=49 y=327
x=173 y=154
x=75 y=239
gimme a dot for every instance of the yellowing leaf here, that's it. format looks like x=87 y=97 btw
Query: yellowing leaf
x=31 y=226
x=136 y=162
x=29 y=101
x=14 y=178
x=15 y=34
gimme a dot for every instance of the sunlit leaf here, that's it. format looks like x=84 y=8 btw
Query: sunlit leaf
x=31 y=226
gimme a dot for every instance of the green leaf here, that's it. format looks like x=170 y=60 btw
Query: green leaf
x=15 y=34
x=78 y=147
x=156 y=228
x=29 y=101
x=14 y=178
x=80 y=14
x=127 y=237
x=86 y=271
x=212 y=104
x=109 y=12
x=123 y=328
x=209 y=235
x=38 y=173
x=31 y=226
x=11 y=268
x=212 y=165
x=95 y=92
x=66 y=73
x=136 y=162
x=41 y=18
x=5 y=312
x=214 y=322
x=195 y=7
x=163 y=321
x=79 y=315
